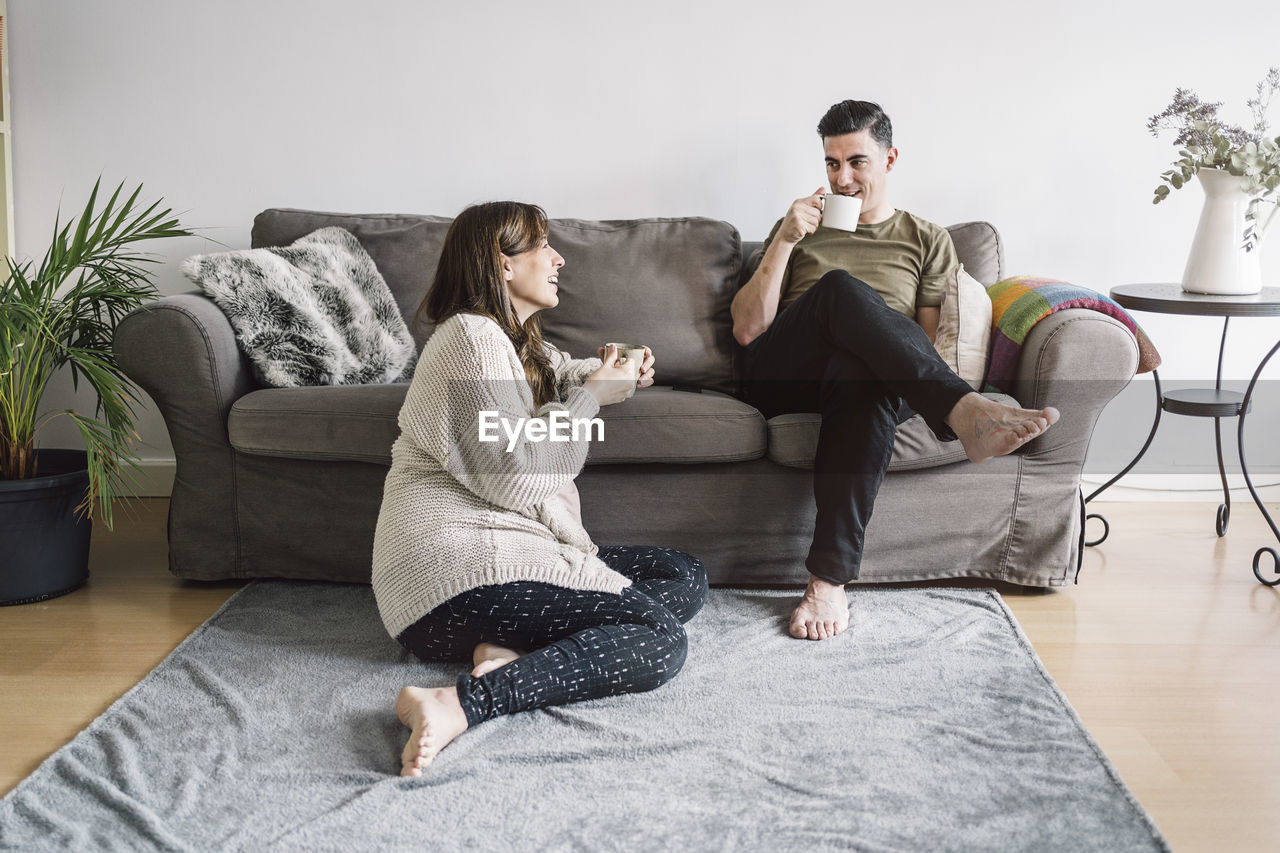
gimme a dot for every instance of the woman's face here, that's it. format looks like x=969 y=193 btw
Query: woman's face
x=533 y=279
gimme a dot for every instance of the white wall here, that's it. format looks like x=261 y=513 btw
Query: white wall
x=1030 y=115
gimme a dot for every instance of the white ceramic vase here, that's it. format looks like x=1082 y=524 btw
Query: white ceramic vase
x=1218 y=262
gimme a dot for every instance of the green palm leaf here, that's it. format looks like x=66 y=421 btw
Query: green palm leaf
x=62 y=315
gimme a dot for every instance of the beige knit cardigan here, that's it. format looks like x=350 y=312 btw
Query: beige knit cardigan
x=458 y=513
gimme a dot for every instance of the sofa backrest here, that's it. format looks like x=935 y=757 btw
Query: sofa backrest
x=980 y=249
x=404 y=247
x=666 y=283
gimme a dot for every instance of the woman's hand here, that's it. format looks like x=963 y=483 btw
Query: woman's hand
x=646 y=367
x=646 y=370
x=612 y=383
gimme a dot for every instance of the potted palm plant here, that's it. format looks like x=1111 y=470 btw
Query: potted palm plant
x=62 y=314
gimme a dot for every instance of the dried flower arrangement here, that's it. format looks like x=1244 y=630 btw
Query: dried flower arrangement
x=1206 y=142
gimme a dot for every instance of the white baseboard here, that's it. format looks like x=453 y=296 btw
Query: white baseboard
x=154 y=478
x=1184 y=487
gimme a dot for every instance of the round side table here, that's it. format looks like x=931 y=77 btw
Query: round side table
x=1205 y=402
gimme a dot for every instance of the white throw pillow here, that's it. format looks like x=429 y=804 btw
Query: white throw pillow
x=315 y=312
x=964 y=327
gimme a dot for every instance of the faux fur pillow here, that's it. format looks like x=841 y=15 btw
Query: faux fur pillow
x=316 y=312
x=964 y=327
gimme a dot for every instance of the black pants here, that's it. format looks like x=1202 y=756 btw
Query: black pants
x=581 y=645
x=840 y=350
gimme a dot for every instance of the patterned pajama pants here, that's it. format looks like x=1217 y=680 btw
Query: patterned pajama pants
x=580 y=645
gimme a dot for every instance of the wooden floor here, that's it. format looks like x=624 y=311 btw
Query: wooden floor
x=1168 y=649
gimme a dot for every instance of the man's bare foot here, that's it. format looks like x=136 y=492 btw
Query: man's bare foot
x=489 y=656
x=436 y=718
x=987 y=428
x=823 y=611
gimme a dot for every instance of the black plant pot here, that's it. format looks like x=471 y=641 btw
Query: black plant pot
x=44 y=545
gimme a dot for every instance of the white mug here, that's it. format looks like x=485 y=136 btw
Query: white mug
x=841 y=211
x=634 y=354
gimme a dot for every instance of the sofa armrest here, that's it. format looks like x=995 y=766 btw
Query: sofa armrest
x=1075 y=360
x=182 y=351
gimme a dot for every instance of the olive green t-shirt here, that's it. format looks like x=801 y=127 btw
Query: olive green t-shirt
x=905 y=258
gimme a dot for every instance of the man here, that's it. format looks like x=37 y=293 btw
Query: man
x=842 y=323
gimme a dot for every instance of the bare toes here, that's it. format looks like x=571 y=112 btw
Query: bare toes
x=485 y=667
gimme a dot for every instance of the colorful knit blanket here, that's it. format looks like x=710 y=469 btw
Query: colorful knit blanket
x=1018 y=303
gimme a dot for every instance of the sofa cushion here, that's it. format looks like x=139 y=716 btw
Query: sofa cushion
x=623 y=280
x=315 y=312
x=665 y=283
x=405 y=248
x=660 y=424
x=980 y=249
x=349 y=423
x=963 y=338
x=359 y=424
x=793 y=441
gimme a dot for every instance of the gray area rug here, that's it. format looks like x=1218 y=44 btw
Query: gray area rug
x=930 y=725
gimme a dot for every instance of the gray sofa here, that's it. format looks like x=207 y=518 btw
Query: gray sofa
x=286 y=483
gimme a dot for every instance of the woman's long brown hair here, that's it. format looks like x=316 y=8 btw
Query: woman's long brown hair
x=469 y=280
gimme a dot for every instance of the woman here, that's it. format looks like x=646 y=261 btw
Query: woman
x=480 y=551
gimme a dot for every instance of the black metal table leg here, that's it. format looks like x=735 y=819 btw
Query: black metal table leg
x=1213 y=403
x=1224 y=508
x=1106 y=526
x=1257 y=556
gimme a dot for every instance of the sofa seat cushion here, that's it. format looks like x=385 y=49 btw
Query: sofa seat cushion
x=342 y=423
x=358 y=423
x=793 y=441
x=660 y=424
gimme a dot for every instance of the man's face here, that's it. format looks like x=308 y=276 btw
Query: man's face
x=857 y=165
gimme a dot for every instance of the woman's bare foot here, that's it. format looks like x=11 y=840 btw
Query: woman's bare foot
x=489 y=656
x=436 y=718
x=823 y=611
x=987 y=428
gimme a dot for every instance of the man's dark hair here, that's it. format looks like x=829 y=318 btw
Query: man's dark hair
x=856 y=116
